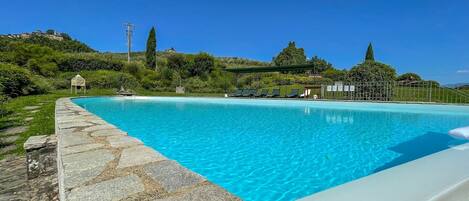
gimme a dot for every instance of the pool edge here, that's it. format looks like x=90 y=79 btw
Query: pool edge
x=118 y=165
x=423 y=179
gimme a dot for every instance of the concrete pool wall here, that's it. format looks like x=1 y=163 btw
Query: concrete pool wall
x=440 y=176
x=98 y=161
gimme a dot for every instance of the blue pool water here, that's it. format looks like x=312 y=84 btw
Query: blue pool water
x=282 y=149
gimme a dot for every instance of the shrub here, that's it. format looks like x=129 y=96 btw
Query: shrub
x=86 y=63
x=134 y=69
x=334 y=74
x=105 y=79
x=203 y=63
x=42 y=67
x=16 y=81
x=409 y=77
x=375 y=73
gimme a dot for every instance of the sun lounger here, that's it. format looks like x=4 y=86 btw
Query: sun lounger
x=275 y=93
x=247 y=92
x=263 y=93
x=237 y=93
x=293 y=93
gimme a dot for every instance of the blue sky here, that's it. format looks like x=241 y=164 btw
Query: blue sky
x=428 y=37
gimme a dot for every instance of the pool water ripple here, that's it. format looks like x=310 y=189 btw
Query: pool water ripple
x=282 y=150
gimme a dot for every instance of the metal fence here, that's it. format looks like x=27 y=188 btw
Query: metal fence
x=421 y=91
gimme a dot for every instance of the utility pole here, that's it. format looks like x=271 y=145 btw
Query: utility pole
x=129 y=31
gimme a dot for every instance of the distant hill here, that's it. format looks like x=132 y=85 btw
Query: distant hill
x=57 y=41
x=226 y=61
x=457 y=85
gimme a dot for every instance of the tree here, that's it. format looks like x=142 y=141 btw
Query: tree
x=203 y=63
x=177 y=62
x=150 y=53
x=372 y=80
x=291 y=55
x=334 y=74
x=409 y=77
x=50 y=32
x=320 y=65
x=369 y=53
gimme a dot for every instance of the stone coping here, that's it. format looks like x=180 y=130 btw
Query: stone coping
x=440 y=176
x=98 y=161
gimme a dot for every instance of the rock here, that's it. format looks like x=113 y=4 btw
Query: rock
x=114 y=189
x=74 y=125
x=31 y=107
x=9 y=140
x=81 y=148
x=76 y=138
x=82 y=167
x=107 y=132
x=203 y=193
x=172 y=176
x=123 y=141
x=138 y=155
x=27 y=119
x=14 y=130
x=99 y=127
x=39 y=141
x=7 y=149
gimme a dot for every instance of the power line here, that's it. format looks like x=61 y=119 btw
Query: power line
x=129 y=31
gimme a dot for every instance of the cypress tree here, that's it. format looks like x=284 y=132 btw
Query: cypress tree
x=369 y=53
x=150 y=54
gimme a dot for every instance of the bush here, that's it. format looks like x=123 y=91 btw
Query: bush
x=203 y=63
x=134 y=69
x=334 y=74
x=42 y=67
x=375 y=73
x=21 y=53
x=195 y=84
x=409 y=77
x=105 y=79
x=16 y=81
x=86 y=63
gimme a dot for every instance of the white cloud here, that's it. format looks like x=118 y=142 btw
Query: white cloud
x=463 y=71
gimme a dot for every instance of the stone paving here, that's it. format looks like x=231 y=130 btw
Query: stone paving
x=97 y=161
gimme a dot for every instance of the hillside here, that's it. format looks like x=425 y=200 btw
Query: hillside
x=57 y=41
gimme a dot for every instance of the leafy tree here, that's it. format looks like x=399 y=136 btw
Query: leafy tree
x=16 y=81
x=320 y=65
x=409 y=77
x=371 y=79
x=203 y=63
x=334 y=74
x=150 y=53
x=369 y=53
x=177 y=62
x=291 y=55
x=50 y=32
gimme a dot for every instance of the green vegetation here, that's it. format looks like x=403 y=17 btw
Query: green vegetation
x=291 y=55
x=370 y=56
x=43 y=121
x=65 y=44
x=150 y=54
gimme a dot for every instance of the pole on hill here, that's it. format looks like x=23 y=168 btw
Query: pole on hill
x=129 y=31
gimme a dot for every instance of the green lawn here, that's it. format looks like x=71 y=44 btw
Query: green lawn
x=43 y=122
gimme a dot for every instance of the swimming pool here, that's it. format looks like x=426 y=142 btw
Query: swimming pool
x=282 y=149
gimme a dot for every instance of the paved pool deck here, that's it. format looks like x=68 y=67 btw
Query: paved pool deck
x=98 y=161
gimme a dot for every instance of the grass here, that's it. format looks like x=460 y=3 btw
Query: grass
x=43 y=122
